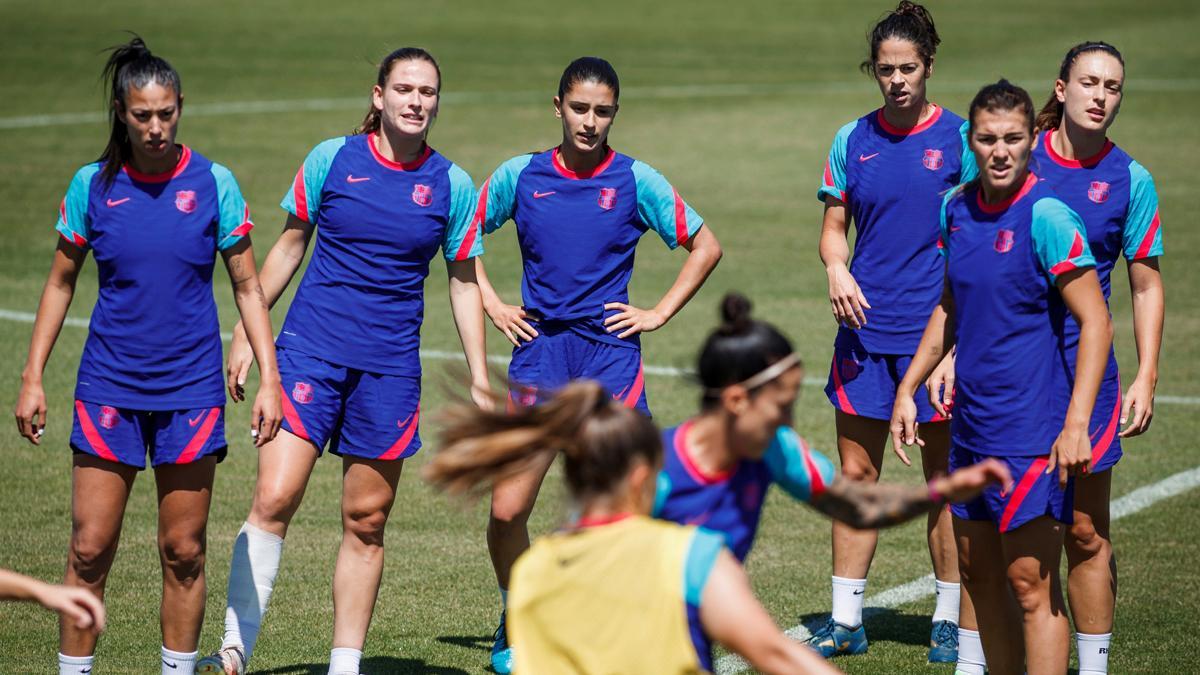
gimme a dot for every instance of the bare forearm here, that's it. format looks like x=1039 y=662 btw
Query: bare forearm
x=256 y=321
x=18 y=587
x=869 y=506
x=466 y=304
x=487 y=293
x=1149 y=309
x=702 y=259
x=52 y=311
x=936 y=341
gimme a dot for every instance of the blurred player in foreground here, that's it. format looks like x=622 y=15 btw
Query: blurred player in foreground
x=382 y=202
x=1017 y=261
x=76 y=605
x=156 y=214
x=580 y=209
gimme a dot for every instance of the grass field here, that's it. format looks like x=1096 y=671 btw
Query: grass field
x=736 y=104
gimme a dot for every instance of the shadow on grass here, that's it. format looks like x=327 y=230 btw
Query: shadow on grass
x=884 y=625
x=481 y=643
x=375 y=665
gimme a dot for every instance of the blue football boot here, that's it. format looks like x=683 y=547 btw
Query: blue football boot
x=502 y=656
x=943 y=642
x=834 y=639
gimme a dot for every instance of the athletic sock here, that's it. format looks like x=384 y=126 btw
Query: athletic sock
x=344 y=661
x=971 y=660
x=1093 y=653
x=947 y=602
x=74 y=665
x=178 y=663
x=848 y=597
x=252 y=571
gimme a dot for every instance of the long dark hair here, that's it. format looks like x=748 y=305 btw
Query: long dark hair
x=589 y=69
x=600 y=438
x=740 y=348
x=1051 y=114
x=909 y=21
x=373 y=119
x=129 y=65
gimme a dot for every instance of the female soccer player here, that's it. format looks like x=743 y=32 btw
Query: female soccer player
x=887 y=171
x=383 y=202
x=616 y=592
x=1017 y=261
x=580 y=209
x=156 y=214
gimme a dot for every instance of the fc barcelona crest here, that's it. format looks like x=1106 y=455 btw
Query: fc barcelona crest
x=422 y=195
x=1004 y=241
x=932 y=159
x=302 y=392
x=1098 y=192
x=849 y=369
x=608 y=198
x=109 y=416
x=185 y=200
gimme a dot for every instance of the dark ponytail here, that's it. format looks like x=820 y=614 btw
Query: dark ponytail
x=600 y=438
x=129 y=65
x=909 y=21
x=373 y=120
x=589 y=69
x=739 y=349
x=1051 y=115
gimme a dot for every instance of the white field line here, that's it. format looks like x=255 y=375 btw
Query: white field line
x=1137 y=500
x=1185 y=85
x=439 y=355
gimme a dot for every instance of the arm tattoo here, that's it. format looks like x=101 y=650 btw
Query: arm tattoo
x=868 y=506
x=236 y=274
x=262 y=297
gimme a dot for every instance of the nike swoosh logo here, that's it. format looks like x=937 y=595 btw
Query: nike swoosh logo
x=539 y=195
x=863 y=158
x=956 y=228
x=859 y=592
x=170 y=665
x=117 y=202
x=192 y=423
x=351 y=178
x=86 y=670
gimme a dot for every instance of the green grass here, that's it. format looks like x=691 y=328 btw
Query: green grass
x=749 y=160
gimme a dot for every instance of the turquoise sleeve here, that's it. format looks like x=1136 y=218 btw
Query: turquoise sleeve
x=463 y=239
x=834 y=182
x=303 y=198
x=498 y=196
x=802 y=472
x=662 y=209
x=1059 y=238
x=72 y=212
x=662 y=491
x=701 y=557
x=943 y=242
x=1142 y=236
x=232 y=212
x=970 y=169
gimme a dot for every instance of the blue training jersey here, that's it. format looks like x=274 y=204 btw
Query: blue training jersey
x=731 y=503
x=154 y=341
x=1002 y=264
x=892 y=181
x=379 y=223
x=578 y=232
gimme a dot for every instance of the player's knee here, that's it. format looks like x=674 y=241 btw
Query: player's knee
x=366 y=525
x=1085 y=541
x=91 y=557
x=183 y=557
x=862 y=471
x=1031 y=591
x=274 y=504
x=510 y=513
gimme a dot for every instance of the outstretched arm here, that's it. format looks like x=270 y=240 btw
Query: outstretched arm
x=78 y=605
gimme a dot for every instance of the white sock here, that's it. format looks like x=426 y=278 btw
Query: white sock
x=971 y=660
x=178 y=663
x=1093 y=653
x=848 y=597
x=504 y=598
x=947 y=602
x=252 y=571
x=74 y=665
x=344 y=661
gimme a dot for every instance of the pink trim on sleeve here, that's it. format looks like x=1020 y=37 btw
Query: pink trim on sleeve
x=1143 y=250
x=301 y=197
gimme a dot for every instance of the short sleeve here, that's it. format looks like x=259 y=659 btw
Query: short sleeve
x=970 y=168
x=662 y=492
x=303 y=198
x=701 y=557
x=463 y=239
x=72 y=212
x=1142 y=237
x=498 y=196
x=801 y=471
x=232 y=212
x=1059 y=238
x=833 y=184
x=662 y=209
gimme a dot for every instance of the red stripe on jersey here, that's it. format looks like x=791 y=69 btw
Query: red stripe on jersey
x=185 y=156
x=301 y=197
x=1076 y=246
x=1148 y=241
x=681 y=226
x=464 y=249
x=814 y=473
x=900 y=131
x=685 y=459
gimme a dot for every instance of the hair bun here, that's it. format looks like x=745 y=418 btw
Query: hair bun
x=735 y=313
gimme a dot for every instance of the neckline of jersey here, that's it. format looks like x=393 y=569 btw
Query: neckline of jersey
x=699 y=475
x=598 y=521
x=1085 y=163
x=910 y=131
x=1000 y=207
x=393 y=164
x=185 y=156
x=561 y=168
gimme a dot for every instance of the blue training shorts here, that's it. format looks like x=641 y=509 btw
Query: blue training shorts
x=864 y=384
x=359 y=414
x=125 y=436
x=1035 y=493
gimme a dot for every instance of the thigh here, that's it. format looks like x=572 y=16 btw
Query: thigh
x=369 y=486
x=618 y=369
x=110 y=433
x=980 y=552
x=313 y=396
x=935 y=455
x=99 y=492
x=185 y=436
x=860 y=444
x=1033 y=550
x=184 y=495
x=381 y=417
x=1091 y=504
